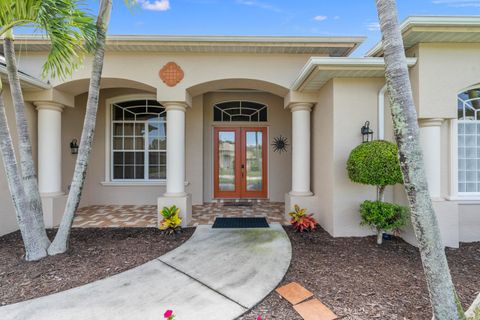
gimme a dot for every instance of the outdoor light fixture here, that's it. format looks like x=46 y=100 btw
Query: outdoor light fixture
x=74 y=146
x=367 y=133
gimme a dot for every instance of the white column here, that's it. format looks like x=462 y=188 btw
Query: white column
x=301 y=149
x=430 y=139
x=175 y=149
x=49 y=148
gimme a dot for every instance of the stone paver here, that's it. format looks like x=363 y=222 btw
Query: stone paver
x=217 y=274
x=294 y=293
x=314 y=310
x=112 y=216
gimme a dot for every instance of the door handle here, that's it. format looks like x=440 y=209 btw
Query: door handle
x=243 y=169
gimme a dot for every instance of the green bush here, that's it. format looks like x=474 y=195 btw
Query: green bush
x=375 y=163
x=383 y=216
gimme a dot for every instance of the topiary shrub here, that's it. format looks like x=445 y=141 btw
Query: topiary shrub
x=383 y=216
x=376 y=163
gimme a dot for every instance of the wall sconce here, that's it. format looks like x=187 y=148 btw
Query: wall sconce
x=367 y=133
x=74 y=146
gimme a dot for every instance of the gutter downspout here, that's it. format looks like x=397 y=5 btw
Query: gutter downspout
x=381 y=113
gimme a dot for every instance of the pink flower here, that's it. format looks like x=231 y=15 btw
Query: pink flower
x=168 y=314
x=259 y=318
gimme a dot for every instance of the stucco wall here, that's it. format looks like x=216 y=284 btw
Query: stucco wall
x=445 y=70
x=355 y=103
x=97 y=193
x=8 y=222
x=323 y=182
x=199 y=68
x=279 y=123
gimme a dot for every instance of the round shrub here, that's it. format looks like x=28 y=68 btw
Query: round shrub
x=375 y=163
x=383 y=216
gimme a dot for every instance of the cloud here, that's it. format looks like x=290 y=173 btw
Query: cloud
x=261 y=5
x=458 y=3
x=373 y=26
x=156 y=5
x=320 y=18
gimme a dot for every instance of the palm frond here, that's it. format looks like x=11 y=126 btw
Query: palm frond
x=67 y=23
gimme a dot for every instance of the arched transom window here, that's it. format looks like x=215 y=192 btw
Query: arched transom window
x=138 y=140
x=246 y=111
x=469 y=141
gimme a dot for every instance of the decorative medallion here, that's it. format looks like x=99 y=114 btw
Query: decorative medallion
x=171 y=74
x=280 y=144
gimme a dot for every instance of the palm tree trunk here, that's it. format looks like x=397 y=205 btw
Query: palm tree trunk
x=442 y=292
x=29 y=175
x=34 y=248
x=60 y=243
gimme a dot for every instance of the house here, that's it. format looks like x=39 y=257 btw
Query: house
x=191 y=119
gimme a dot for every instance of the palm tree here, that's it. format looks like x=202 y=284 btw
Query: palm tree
x=34 y=247
x=71 y=32
x=444 y=299
x=60 y=243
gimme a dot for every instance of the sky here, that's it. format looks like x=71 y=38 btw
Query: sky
x=270 y=17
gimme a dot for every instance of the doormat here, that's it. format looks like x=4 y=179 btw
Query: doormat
x=238 y=204
x=230 y=223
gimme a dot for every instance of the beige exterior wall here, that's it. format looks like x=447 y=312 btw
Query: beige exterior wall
x=444 y=71
x=95 y=191
x=279 y=123
x=355 y=103
x=7 y=212
x=323 y=181
x=278 y=70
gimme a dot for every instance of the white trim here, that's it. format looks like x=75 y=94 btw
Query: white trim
x=429 y=21
x=453 y=158
x=365 y=63
x=108 y=131
x=136 y=183
x=290 y=41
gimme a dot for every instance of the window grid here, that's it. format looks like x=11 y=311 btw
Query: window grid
x=233 y=111
x=138 y=141
x=469 y=143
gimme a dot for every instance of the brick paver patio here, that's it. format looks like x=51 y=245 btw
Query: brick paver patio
x=111 y=216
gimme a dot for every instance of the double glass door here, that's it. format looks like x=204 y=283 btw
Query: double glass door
x=240 y=163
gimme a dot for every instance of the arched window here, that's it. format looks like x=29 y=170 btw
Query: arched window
x=138 y=140
x=469 y=141
x=246 y=111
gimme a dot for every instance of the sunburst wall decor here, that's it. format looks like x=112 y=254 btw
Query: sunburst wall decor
x=280 y=144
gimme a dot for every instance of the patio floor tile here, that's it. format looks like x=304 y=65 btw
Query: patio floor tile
x=119 y=216
x=294 y=293
x=314 y=310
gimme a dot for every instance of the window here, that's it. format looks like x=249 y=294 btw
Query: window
x=246 y=111
x=138 y=140
x=469 y=141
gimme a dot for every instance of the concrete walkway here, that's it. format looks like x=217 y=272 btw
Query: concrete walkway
x=216 y=274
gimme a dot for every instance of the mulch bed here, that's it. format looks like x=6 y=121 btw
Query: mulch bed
x=94 y=254
x=353 y=276
x=358 y=279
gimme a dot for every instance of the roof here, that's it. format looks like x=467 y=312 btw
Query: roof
x=27 y=81
x=318 y=71
x=429 y=29
x=324 y=46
